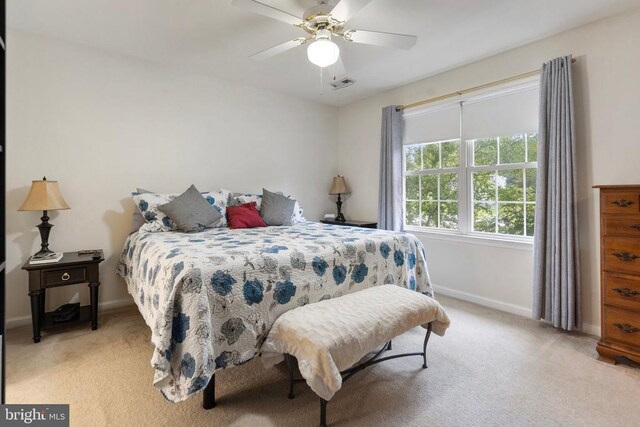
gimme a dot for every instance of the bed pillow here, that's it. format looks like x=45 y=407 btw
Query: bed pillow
x=148 y=204
x=248 y=198
x=191 y=212
x=276 y=209
x=219 y=200
x=137 y=220
x=244 y=216
x=297 y=214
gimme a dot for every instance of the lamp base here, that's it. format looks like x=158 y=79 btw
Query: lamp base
x=45 y=229
x=340 y=217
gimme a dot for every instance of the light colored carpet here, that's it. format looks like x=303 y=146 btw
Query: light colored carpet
x=490 y=369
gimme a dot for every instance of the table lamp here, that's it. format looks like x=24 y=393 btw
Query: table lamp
x=44 y=196
x=339 y=186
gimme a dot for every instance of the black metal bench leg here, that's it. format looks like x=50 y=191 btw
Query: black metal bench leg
x=424 y=347
x=288 y=358
x=323 y=413
x=209 y=395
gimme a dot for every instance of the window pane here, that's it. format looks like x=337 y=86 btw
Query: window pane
x=430 y=156
x=412 y=158
x=449 y=215
x=412 y=213
x=451 y=154
x=510 y=185
x=485 y=152
x=531 y=184
x=484 y=217
x=532 y=147
x=429 y=214
x=512 y=149
x=511 y=218
x=412 y=187
x=531 y=215
x=429 y=187
x=449 y=186
x=484 y=186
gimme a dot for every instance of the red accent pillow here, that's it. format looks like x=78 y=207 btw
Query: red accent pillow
x=244 y=216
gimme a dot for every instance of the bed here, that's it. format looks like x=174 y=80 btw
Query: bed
x=210 y=298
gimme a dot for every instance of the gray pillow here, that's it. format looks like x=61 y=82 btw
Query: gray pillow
x=276 y=209
x=191 y=212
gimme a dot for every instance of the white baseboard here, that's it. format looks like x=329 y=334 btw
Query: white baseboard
x=486 y=302
x=18 y=321
x=587 y=328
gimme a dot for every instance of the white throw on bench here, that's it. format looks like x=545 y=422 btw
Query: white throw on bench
x=330 y=336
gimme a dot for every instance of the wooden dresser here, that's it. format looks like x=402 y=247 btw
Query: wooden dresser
x=620 y=271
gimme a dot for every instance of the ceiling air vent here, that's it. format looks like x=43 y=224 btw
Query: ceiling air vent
x=342 y=83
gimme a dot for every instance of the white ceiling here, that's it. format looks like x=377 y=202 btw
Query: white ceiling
x=213 y=37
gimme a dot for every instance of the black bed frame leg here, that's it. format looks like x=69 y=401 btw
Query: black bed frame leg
x=323 y=413
x=209 y=395
x=424 y=347
x=290 y=368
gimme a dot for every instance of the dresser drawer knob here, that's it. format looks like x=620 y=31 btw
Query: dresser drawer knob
x=635 y=226
x=65 y=276
x=626 y=292
x=623 y=203
x=627 y=328
x=625 y=256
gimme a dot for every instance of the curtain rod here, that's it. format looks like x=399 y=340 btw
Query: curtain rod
x=472 y=89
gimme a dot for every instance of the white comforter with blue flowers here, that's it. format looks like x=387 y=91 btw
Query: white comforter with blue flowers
x=210 y=298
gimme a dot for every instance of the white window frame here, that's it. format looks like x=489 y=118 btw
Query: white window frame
x=465 y=231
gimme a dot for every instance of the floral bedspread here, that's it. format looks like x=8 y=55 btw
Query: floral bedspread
x=210 y=298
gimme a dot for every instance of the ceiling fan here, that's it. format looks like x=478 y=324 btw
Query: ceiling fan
x=322 y=22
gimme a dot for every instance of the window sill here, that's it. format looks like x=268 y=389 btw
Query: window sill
x=523 y=244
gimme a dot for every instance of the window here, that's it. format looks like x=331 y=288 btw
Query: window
x=470 y=167
x=431 y=184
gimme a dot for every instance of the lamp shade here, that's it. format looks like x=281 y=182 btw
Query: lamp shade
x=44 y=196
x=339 y=186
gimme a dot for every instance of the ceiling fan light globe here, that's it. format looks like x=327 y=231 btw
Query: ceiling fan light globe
x=323 y=53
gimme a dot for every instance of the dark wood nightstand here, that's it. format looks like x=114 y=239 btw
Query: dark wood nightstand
x=351 y=223
x=72 y=269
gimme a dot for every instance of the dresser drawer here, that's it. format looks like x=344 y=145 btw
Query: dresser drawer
x=621 y=225
x=622 y=326
x=622 y=291
x=621 y=254
x=63 y=277
x=620 y=201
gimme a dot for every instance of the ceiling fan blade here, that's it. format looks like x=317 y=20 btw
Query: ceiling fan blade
x=345 y=9
x=266 y=10
x=275 y=50
x=337 y=70
x=376 y=38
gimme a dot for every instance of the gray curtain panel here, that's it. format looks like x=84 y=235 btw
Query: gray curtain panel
x=390 y=193
x=556 y=286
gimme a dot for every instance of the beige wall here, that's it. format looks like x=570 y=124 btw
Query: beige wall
x=103 y=124
x=607 y=99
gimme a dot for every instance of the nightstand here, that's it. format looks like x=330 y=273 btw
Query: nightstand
x=351 y=223
x=72 y=269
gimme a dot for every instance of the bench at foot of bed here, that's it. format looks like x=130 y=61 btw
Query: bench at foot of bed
x=329 y=337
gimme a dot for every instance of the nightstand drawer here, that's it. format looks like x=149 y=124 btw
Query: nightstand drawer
x=62 y=277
